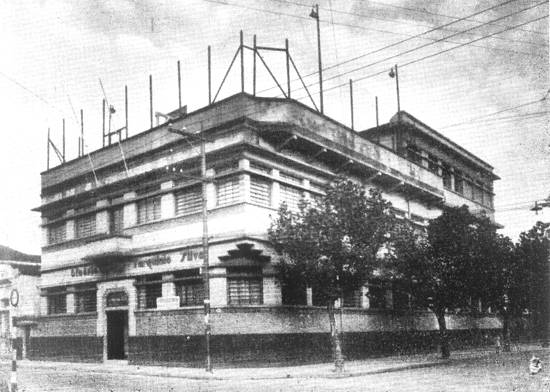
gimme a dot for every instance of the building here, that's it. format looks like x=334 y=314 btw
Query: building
x=122 y=257
x=19 y=298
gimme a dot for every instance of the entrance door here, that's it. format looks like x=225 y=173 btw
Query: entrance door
x=117 y=334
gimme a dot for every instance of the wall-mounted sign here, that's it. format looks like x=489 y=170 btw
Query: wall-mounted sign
x=14 y=298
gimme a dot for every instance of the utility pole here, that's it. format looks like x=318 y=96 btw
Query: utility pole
x=205 y=266
x=315 y=15
x=394 y=73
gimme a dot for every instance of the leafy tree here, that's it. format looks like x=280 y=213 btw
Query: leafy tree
x=533 y=281
x=332 y=245
x=440 y=268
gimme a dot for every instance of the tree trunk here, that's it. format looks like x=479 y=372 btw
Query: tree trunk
x=335 y=339
x=443 y=337
x=506 y=331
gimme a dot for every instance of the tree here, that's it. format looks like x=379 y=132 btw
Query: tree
x=533 y=286
x=439 y=267
x=332 y=245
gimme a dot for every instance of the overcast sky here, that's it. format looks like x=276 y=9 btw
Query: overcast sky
x=488 y=96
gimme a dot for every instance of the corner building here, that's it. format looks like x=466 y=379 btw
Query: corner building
x=122 y=257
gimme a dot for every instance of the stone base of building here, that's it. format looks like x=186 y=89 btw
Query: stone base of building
x=66 y=349
x=254 y=349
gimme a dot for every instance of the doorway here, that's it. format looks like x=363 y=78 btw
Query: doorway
x=117 y=334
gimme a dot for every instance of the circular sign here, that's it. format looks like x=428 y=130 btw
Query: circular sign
x=14 y=298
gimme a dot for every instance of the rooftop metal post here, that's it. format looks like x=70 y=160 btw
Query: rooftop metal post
x=63 y=146
x=242 y=61
x=376 y=108
x=351 y=103
x=82 y=132
x=103 y=121
x=179 y=85
x=126 y=109
x=287 y=68
x=254 y=66
x=151 y=100
x=209 y=77
x=315 y=15
x=48 y=152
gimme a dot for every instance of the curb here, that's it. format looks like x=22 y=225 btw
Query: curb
x=195 y=375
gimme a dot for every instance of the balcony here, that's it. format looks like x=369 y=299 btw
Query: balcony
x=104 y=248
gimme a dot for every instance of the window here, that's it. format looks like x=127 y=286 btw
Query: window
x=487 y=199
x=85 y=226
x=244 y=286
x=352 y=298
x=117 y=220
x=433 y=164
x=85 y=298
x=57 y=233
x=377 y=297
x=148 y=210
x=189 y=287
x=228 y=191
x=446 y=173
x=459 y=182
x=116 y=299
x=260 y=191
x=413 y=154
x=57 y=300
x=149 y=289
x=477 y=194
x=467 y=187
x=291 y=196
x=189 y=200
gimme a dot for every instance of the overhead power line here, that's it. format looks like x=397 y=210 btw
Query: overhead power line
x=220 y=2
x=424 y=57
x=494 y=113
x=447 y=16
x=442 y=28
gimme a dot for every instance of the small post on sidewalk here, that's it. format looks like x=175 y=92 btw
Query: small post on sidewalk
x=13 y=376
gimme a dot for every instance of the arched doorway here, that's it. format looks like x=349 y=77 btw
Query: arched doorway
x=116 y=312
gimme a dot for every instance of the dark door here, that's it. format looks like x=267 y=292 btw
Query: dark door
x=117 y=334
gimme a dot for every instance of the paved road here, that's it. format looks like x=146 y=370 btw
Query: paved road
x=491 y=373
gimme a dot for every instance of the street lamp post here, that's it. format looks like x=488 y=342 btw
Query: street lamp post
x=205 y=266
x=315 y=15
x=394 y=73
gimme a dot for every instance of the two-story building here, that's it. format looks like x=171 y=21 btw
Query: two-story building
x=122 y=257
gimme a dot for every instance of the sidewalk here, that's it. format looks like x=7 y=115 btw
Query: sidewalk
x=324 y=370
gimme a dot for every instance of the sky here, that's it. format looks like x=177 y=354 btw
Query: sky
x=482 y=81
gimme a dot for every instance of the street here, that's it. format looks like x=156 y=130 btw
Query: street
x=506 y=372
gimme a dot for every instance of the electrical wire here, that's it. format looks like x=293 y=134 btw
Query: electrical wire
x=354 y=14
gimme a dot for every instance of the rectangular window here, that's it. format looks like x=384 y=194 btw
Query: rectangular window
x=291 y=196
x=260 y=191
x=85 y=226
x=57 y=300
x=352 y=298
x=467 y=185
x=377 y=297
x=487 y=199
x=149 y=288
x=413 y=154
x=189 y=287
x=244 y=286
x=57 y=232
x=459 y=182
x=189 y=200
x=148 y=210
x=117 y=220
x=85 y=298
x=478 y=194
x=433 y=164
x=446 y=174
x=228 y=191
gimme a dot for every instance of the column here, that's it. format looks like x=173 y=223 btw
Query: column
x=365 y=301
x=129 y=210
x=218 y=287
x=211 y=201
x=71 y=306
x=69 y=228
x=102 y=218
x=309 y=296
x=167 y=201
x=271 y=291
x=275 y=190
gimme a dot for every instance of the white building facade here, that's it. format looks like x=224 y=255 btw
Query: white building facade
x=121 y=262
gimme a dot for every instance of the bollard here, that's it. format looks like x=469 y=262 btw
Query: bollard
x=13 y=376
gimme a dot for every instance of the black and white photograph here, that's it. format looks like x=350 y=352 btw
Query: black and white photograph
x=274 y=195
